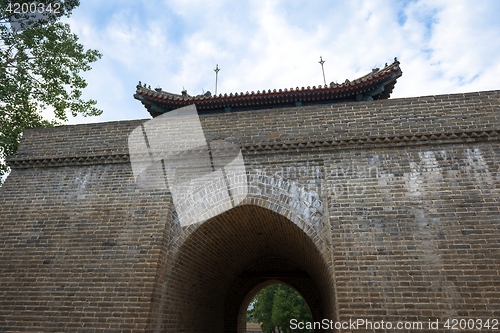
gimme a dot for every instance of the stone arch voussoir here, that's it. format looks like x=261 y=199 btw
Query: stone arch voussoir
x=305 y=208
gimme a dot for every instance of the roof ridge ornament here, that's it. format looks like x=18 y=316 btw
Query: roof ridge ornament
x=321 y=61
x=216 y=70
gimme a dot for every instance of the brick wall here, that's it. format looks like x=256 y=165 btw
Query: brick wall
x=384 y=210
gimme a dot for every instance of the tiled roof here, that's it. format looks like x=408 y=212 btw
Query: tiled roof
x=378 y=84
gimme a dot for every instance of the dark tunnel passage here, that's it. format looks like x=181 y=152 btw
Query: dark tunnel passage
x=220 y=267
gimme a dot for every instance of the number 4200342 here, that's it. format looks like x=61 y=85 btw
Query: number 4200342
x=33 y=7
x=490 y=324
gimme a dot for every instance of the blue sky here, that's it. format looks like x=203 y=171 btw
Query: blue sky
x=443 y=46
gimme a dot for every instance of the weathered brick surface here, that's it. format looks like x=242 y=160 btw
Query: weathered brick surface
x=385 y=210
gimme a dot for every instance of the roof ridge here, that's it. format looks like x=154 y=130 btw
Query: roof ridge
x=356 y=89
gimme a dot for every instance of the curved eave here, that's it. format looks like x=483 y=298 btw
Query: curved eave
x=161 y=102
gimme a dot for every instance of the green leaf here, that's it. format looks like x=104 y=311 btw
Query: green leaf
x=40 y=70
x=274 y=307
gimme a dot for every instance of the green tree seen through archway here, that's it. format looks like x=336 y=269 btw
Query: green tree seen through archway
x=274 y=306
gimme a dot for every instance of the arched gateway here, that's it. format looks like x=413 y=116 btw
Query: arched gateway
x=218 y=266
x=373 y=209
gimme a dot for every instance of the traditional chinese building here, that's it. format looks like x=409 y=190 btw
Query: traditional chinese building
x=376 y=85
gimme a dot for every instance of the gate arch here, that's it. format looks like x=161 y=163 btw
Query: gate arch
x=250 y=296
x=278 y=233
x=264 y=273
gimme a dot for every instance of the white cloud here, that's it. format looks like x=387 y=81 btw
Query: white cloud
x=443 y=46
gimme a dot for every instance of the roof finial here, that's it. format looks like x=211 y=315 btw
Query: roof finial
x=321 y=61
x=216 y=70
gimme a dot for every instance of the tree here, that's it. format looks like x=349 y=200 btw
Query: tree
x=287 y=305
x=263 y=308
x=275 y=306
x=40 y=65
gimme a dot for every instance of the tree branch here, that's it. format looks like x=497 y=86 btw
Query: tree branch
x=10 y=61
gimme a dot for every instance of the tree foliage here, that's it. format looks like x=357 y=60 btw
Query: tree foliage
x=274 y=306
x=40 y=66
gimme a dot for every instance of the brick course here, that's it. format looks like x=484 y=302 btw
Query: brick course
x=385 y=210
